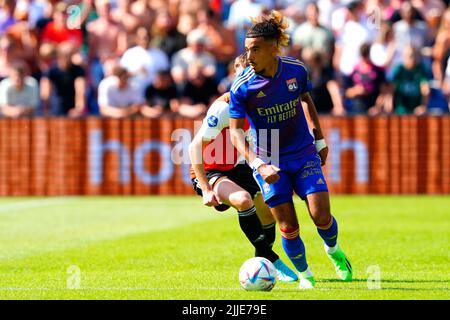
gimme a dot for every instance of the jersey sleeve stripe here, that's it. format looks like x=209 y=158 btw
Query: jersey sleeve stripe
x=298 y=63
x=290 y=58
x=245 y=74
x=241 y=80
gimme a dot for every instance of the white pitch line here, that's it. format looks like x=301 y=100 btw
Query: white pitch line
x=28 y=204
x=117 y=289
x=81 y=289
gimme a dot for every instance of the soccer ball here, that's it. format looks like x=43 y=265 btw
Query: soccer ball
x=257 y=274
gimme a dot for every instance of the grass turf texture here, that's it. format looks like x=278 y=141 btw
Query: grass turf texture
x=175 y=248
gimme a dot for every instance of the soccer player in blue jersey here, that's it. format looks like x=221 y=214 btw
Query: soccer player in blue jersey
x=273 y=94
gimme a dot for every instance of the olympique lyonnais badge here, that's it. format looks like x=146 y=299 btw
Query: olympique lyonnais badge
x=292 y=84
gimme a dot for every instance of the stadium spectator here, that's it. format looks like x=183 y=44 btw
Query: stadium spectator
x=397 y=14
x=19 y=93
x=165 y=34
x=123 y=16
x=186 y=23
x=32 y=11
x=63 y=86
x=238 y=19
x=32 y=31
x=311 y=37
x=325 y=89
x=293 y=10
x=192 y=7
x=446 y=85
x=221 y=41
x=143 y=10
x=383 y=49
x=225 y=83
x=143 y=61
x=25 y=40
x=342 y=13
x=411 y=88
x=353 y=36
x=46 y=58
x=429 y=9
x=187 y=14
x=194 y=53
x=441 y=49
x=58 y=30
x=106 y=38
x=7 y=18
x=289 y=7
x=381 y=10
x=326 y=10
x=408 y=32
x=118 y=97
x=198 y=94
x=161 y=96
x=366 y=87
x=9 y=53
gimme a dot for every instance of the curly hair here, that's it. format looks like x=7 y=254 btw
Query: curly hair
x=241 y=61
x=270 y=27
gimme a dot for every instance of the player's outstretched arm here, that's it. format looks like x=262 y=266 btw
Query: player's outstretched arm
x=237 y=134
x=312 y=118
x=238 y=140
x=196 y=148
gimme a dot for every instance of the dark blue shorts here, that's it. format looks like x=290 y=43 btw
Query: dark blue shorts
x=303 y=176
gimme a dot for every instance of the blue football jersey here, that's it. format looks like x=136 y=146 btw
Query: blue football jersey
x=274 y=105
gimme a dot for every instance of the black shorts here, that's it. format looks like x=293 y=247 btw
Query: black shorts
x=242 y=175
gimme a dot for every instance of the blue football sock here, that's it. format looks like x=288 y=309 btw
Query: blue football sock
x=329 y=232
x=294 y=248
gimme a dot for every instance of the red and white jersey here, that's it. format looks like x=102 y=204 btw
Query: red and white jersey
x=219 y=153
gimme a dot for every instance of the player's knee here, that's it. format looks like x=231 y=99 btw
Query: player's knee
x=320 y=213
x=321 y=219
x=241 y=200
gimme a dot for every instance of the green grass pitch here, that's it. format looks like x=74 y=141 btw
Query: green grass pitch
x=175 y=248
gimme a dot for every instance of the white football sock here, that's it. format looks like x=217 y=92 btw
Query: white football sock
x=331 y=250
x=306 y=274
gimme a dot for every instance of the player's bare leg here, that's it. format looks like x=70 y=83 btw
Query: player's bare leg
x=233 y=195
x=263 y=211
x=319 y=209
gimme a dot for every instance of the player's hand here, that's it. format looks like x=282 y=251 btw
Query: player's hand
x=209 y=198
x=323 y=154
x=269 y=173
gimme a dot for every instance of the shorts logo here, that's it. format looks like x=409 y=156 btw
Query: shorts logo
x=266 y=188
x=320 y=181
x=292 y=84
x=212 y=121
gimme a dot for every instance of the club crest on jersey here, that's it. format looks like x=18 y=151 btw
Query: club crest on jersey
x=212 y=121
x=292 y=84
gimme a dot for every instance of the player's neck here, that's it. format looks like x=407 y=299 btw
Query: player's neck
x=271 y=69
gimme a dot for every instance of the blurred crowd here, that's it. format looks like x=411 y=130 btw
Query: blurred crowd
x=152 y=58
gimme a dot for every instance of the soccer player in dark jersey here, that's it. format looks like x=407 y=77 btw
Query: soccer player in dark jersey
x=287 y=157
x=225 y=180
